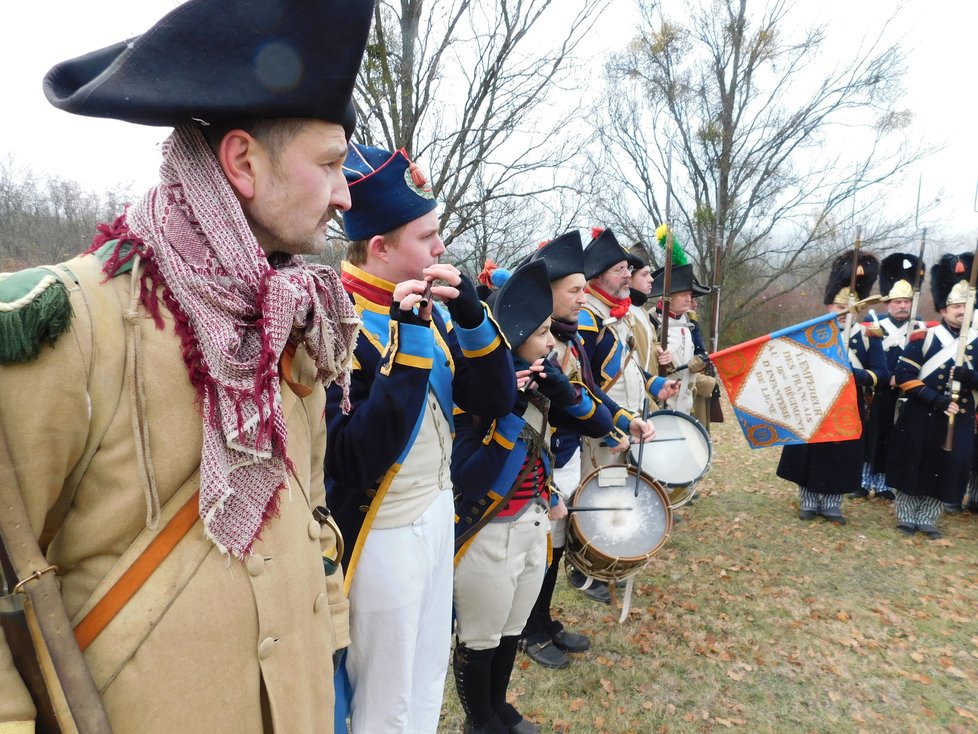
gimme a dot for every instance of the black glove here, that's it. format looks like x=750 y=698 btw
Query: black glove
x=864 y=379
x=556 y=386
x=466 y=310
x=966 y=376
x=522 y=400
x=407 y=316
x=941 y=402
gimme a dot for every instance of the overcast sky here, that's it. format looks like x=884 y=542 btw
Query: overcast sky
x=939 y=35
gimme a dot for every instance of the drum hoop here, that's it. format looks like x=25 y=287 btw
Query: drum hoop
x=633 y=460
x=585 y=543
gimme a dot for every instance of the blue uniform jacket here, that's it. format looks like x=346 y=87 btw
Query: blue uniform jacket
x=395 y=364
x=606 y=353
x=566 y=441
x=917 y=464
x=487 y=457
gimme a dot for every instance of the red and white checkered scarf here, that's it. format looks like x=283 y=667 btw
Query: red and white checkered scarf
x=235 y=313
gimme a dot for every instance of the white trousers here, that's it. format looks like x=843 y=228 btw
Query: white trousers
x=400 y=624
x=499 y=578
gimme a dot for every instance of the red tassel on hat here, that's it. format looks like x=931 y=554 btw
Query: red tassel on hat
x=545 y=242
x=959 y=266
x=485 y=276
x=417 y=175
x=596 y=232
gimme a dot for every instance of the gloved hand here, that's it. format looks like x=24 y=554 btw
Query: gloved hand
x=466 y=310
x=407 y=316
x=555 y=386
x=966 y=376
x=863 y=378
x=941 y=402
x=522 y=400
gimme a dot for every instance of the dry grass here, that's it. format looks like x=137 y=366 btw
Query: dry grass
x=751 y=620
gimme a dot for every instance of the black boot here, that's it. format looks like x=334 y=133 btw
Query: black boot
x=473 y=671
x=502 y=669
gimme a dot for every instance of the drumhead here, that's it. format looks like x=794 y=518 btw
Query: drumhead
x=636 y=530
x=683 y=457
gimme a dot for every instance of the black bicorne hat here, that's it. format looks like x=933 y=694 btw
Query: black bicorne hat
x=602 y=253
x=225 y=61
x=840 y=276
x=949 y=279
x=681 y=279
x=897 y=272
x=638 y=256
x=563 y=255
x=523 y=303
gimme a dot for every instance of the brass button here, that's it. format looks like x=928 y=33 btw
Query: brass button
x=319 y=603
x=265 y=647
x=255 y=565
x=364 y=508
x=314 y=529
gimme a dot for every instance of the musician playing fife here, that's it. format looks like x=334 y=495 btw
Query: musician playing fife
x=826 y=472
x=501 y=470
x=388 y=459
x=923 y=474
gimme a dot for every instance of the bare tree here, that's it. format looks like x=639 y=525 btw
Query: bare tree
x=467 y=88
x=777 y=152
x=47 y=220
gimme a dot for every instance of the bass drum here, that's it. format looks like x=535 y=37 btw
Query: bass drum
x=678 y=457
x=609 y=545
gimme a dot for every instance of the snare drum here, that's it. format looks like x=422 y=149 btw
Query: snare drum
x=679 y=456
x=614 y=544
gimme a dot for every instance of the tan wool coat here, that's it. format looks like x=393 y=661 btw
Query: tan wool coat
x=209 y=644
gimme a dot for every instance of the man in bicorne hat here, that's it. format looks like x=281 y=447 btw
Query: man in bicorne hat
x=389 y=457
x=182 y=407
x=897 y=274
x=607 y=325
x=924 y=475
x=827 y=472
x=685 y=347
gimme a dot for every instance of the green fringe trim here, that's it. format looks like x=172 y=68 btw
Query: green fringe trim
x=24 y=332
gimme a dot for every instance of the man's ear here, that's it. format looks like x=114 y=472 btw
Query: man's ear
x=239 y=156
x=378 y=248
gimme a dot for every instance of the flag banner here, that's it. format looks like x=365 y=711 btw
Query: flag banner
x=792 y=386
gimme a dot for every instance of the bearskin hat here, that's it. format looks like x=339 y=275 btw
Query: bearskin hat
x=947 y=275
x=897 y=272
x=840 y=276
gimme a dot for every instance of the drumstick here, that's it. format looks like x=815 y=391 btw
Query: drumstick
x=641 y=447
x=599 y=509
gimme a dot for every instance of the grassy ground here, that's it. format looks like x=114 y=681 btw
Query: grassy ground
x=751 y=620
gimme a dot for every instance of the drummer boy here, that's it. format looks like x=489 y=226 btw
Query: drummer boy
x=501 y=471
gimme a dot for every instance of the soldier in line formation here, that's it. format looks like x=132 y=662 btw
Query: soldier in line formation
x=916 y=404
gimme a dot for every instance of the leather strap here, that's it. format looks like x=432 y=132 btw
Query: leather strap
x=138 y=573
